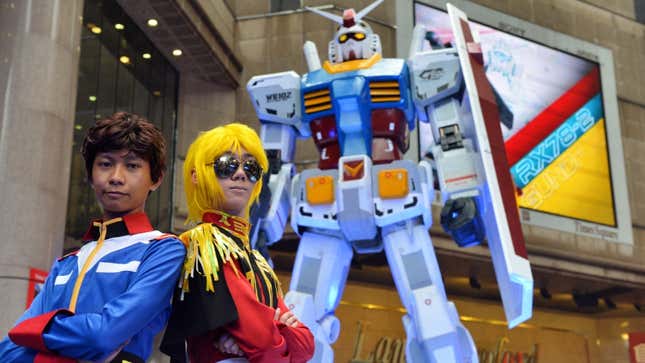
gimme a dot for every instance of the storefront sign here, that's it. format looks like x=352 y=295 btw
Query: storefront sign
x=392 y=350
x=387 y=350
x=500 y=355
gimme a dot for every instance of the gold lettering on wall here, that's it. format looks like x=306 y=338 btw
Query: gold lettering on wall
x=358 y=345
x=505 y=356
x=392 y=350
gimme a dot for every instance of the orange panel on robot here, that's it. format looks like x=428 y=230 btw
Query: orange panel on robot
x=320 y=190
x=393 y=183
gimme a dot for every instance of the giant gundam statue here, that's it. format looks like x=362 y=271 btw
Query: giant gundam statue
x=364 y=197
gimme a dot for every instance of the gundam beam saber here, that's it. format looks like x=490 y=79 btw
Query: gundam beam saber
x=505 y=240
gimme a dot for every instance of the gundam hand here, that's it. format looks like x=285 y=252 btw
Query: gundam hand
x=269 y=215
x=462 y=220
x=273 y=223
x=258 y=211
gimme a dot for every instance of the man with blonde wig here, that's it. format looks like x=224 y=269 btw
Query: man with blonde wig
x=229 y=302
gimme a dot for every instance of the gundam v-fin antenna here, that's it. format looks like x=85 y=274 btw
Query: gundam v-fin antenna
x=367 y=9
x=335 y=18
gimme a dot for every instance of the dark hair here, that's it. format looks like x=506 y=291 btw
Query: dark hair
x=126 y=131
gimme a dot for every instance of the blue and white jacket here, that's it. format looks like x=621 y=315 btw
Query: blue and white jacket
x=109 y=298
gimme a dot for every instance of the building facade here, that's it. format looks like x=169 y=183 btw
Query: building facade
x=62 y=65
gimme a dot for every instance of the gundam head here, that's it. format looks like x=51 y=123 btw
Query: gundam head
x=354 y=39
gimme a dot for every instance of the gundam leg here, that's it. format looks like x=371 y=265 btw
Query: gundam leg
x=434 y=332
x=317 y=283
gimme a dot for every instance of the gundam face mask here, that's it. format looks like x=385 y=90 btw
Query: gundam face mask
x=356 y=36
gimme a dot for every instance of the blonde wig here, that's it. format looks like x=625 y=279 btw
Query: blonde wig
x=207 y=194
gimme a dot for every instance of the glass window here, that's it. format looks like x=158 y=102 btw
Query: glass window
x=119 y=70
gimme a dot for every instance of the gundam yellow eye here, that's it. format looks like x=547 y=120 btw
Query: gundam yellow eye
x=359 y=36
x=343 y=38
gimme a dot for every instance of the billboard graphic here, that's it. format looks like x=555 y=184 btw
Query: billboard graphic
x=553 y=118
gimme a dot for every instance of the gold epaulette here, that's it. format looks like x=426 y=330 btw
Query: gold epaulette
x=206 y=248
x=267 y=271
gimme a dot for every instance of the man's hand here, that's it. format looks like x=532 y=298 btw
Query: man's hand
x=288 y=318
x=226 y=344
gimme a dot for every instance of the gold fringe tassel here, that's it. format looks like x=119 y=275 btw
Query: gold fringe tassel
x=207 y=248
x=204 y=244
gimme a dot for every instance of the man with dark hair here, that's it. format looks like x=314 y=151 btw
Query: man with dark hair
x=106 y=301
x=129 y=131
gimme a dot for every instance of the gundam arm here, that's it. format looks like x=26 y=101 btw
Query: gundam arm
x=501 y=215
x=470 y=174
x=276 y=98
x=438 y=92
x=281 y=171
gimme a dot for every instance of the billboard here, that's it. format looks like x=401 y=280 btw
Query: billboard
x=559 y=116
